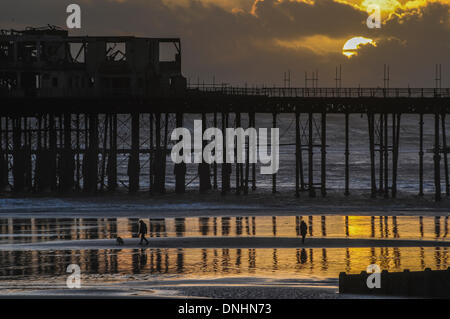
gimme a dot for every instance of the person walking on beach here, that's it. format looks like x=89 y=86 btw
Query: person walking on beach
x=142 y=232
x=303 y=230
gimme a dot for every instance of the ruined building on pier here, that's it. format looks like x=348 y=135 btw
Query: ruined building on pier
x=47 y=62
x=52 y=143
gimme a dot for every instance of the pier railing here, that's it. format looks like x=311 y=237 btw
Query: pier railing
x=325 y=92
x=216 y=91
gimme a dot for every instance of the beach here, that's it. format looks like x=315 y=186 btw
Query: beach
x=222 y=247
x=215 y=204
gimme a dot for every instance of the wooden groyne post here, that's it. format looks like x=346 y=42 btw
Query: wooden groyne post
x=427 y=283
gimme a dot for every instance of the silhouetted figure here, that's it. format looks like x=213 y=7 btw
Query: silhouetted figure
x=142 y=232
x=119 y=241
x=143 y=258
x=303 y=230
x=303 y=256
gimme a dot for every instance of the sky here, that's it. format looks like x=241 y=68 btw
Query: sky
x=254 y=42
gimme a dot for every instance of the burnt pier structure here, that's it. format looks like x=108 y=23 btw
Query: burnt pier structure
x=72 y=108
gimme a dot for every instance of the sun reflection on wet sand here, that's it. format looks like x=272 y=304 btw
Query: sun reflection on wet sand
x=376 y=227
x=209 y=263
x=191 y=263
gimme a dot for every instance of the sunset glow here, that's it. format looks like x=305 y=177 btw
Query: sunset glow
x=351 y=46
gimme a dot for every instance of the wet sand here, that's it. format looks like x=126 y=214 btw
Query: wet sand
x=214 y=204
x=215 y=288
x=208 y=205
x=225 y=242
x=150 y=287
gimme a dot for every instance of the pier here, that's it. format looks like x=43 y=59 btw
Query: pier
x=71 y=105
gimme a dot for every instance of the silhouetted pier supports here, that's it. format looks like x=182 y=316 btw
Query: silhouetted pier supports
x=371 y=127
x=312 y=192
x=180 y=178
x=274 y=176
x=386 y=156
x=226 y=167
x=421 y=153
x=166 y=141
x=180 y=169
x=134 y=163
x=42 y=179
x=445 y=151
x=73 y=151
x=242 y=172
x=111 y=167
x=52 y=156
x=323 y=166
x=67 y=167
x=78 y=151
x=104 y=152
x=437 y=159
x=384 y=148
x=151 y=159
x=3 y=156
x=238 y=165
x=395 y=146
x=204 y=172
x=347 y=156
x=247 y=154
x=215 y=185
x=253 y=124
x=299 y=174
x=159 y=161
x=381 y=149
x=298 y=152
x=19 y=161
x=28 y=158
x=90 y=161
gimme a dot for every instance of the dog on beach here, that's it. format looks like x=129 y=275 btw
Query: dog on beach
x=119 y=241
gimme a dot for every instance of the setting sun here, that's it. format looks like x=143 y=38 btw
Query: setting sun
x=351 y=46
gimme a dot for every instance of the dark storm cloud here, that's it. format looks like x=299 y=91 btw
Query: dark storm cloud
x=239 y=47
x=298 y=18
x=412 y=46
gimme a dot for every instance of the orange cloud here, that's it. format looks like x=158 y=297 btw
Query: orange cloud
x=318 y=44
